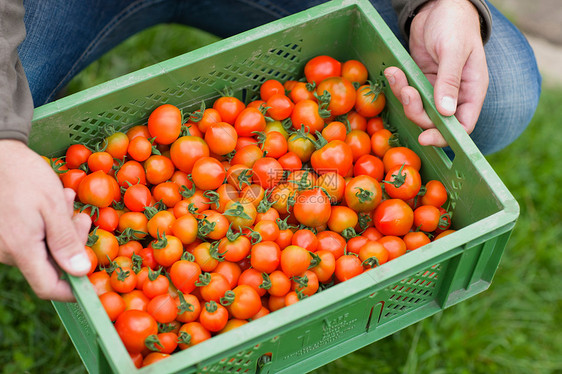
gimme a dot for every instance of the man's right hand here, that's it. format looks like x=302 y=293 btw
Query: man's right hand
x=38 y=231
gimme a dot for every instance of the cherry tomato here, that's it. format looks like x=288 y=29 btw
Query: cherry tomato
x=394 y=245
x=398 y=156
x=294 y=260
x=208 y=173
x=435 y=194
x=342 y=94
x=221 y=138
x=321 y=67
x=185 y=151
x=363 y=193
x=98 y=189
x=355 y=71
x=164 y=124
x=347 y=267
x=312 y=207
x=76 y=155
x=370 y=100
x=246 y=302
x=229 y=108
x=280 y=106
x=133 y=327
x=393 y=217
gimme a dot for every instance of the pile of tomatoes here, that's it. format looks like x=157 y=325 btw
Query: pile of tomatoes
x=204 y=222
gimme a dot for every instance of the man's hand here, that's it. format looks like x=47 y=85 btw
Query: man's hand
x=446 y=43
x=38 y=232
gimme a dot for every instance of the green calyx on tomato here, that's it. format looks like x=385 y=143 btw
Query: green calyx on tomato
x=266 y=284
x=399 y=178
x=237 y=210
x=323 y=102
x=153 y=343
x=364 y=195
x=204 y=279
x=204 y=227
x=228 y=298
x=92 y=238
x=160 y=242
x=184 y=306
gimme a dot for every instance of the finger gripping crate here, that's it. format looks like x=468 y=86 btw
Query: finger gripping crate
x=345 y=317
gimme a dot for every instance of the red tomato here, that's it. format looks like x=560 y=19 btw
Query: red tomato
x=373 y=254
x=140 y=148
x=426 y=218
x=435 y=194
x=72 y=178
x=76 y=155
x=312 y=207
x=342 y=94
x=295 y=260
x=163 y=308
x=100 y=161
x=246 y=302
x=326 y=267
x=321 y=67
x=208 y=173
x=158 y=169
x=347 y=267
x=229 y=108
x=164 y=124
x=267 y=172
x=221 y=138
x=398 y=156
x=369 y=165
x=133 y=327
x=359 y=142
x=334 y=156
x=271 y=87
x=355 y=71
x=117 y=145
x=415 y=239
x=393 y=217
x=137 y=197
x=306 y=113
x=334 y=131
x=131 y=172
x=265 y=256
x=113 y=304
x=184 y=274
x=213 y=316
x=192 y=333
x=370 y=100
x=185 y=151
x=280 y=106
x=302 y=91
x=331 y=242
x=402 y=182
x=394 y=245
x=363 y=193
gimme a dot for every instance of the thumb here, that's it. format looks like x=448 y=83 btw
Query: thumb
x=66 y=239
x=448 y=81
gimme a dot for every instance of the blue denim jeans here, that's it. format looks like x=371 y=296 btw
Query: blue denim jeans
x=65 y=36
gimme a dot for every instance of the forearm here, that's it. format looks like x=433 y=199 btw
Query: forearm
x=407 y=9
x=16 y=103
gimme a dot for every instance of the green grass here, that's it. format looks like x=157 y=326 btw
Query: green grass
x=514 y=327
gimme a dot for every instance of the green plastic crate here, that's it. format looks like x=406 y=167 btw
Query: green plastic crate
x=350 y=315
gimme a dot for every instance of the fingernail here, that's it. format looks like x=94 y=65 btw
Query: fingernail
x=405 y=99
x=449 y=104
x=390 y=78
x=80 y=263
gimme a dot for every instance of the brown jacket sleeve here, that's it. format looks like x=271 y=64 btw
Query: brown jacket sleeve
x=406 y=10
x=16 y=104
